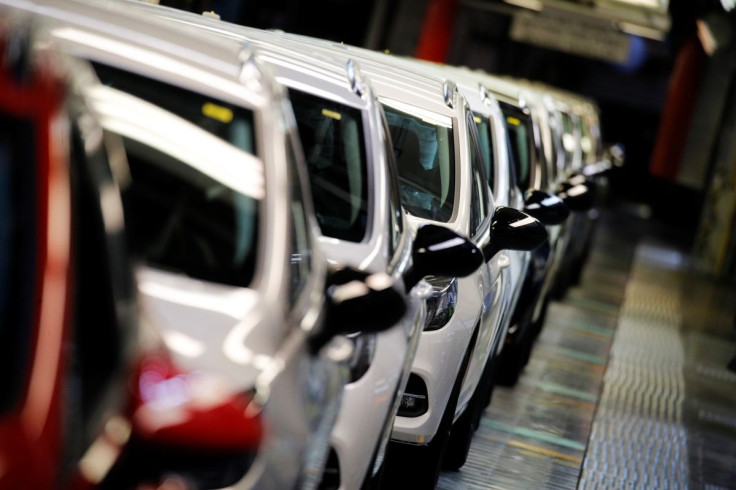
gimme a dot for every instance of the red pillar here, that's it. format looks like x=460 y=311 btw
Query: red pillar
x=436 y=35
x=678 y=110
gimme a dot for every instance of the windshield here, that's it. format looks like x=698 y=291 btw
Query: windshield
x=192 y=206
x=486 y=146
x=518 y=126
x=425 y=157
x=334 y=147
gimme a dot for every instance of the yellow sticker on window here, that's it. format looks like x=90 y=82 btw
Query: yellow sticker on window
x=332 y=114
x=217 y=112
x=513 y=121
x=477 y=120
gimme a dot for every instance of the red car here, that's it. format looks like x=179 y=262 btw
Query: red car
x=80 y=383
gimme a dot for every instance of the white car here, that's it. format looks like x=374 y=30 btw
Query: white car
x=442 y=182
x=505 y=154
x=356 y=199
x=220 y=213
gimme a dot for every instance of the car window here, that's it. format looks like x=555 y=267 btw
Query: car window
x=334 y=148
x=587 y=141
x=227 y=121
x=394 y=199
x=519 y=130
x=185 y=221
x=18 y=268
x=568 y=138
x=300 y=263
x=425 y=158
x=190 y=215
x=486 y=147
x=479 y=195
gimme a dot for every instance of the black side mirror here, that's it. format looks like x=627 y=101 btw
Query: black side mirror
x=357 y=301
x=548 y=208
x=577 y=196
x=513 y=230
x=439 y=251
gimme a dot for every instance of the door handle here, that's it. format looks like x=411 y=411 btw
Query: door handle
x=503 y=261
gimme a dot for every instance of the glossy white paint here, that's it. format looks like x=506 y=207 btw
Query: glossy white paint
x=253 y=337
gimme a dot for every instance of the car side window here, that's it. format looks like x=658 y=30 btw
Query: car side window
x=479 y=195
x=394 y=202
x=486 y=147
x=332 y=137
x=300 y=261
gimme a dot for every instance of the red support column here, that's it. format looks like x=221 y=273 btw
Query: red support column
x=436 y=35
x=677 y=113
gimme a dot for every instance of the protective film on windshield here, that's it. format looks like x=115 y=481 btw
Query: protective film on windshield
x=425 y=157
x=188 y=208
x=334 y=148
x=519 y=141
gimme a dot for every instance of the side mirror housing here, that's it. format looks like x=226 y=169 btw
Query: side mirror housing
x=577 y=194
x=439 y=251
x=357 y=301
x=513 y=230
x=548 y=208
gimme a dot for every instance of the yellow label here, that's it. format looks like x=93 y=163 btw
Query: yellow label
x=477 y=119
x=332 y=114
x=217 y=112
x=513 y=121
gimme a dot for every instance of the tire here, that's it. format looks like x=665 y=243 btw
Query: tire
x=463 y=429
x=461 y=436
x=539 y=322
x=514 y=357
x=510 y=365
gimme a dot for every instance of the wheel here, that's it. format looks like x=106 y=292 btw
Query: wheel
x=463 y=429
x=539 y=322
x=512 y=360
x=461 y=436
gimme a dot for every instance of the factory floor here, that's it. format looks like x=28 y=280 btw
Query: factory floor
x=627 y=386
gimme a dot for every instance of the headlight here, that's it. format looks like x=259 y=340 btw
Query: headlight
x=441 y=303
x=364 y=347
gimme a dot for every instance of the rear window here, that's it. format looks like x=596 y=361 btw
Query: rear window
x=425 y=157
x=334 y=147
x=184 y=214
x=18 y=269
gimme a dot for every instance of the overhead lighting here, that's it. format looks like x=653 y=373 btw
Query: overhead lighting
x=641 y=31
x=535 y=5
x=707 y=39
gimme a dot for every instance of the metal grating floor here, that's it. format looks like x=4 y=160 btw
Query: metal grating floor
x=638 y=438
x=627 y=386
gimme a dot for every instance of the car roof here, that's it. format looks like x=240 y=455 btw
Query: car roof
x=109 y=31
x=389 y=75
x=328 y=68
